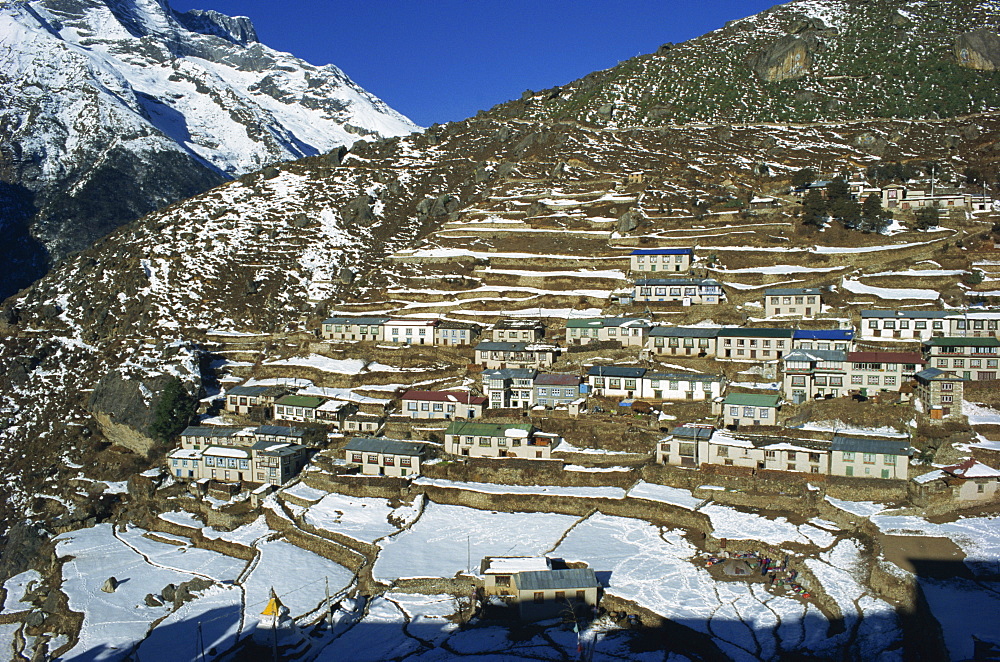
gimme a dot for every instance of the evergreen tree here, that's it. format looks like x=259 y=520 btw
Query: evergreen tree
x=927 y=218
x=803 y=177
x=173 y=413
x=838 y=191
x=873 y=217
x=814 y=208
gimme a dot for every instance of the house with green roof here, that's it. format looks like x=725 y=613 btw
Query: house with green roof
x=972 y=359
x=300 y=408
x=520 y=440
x=750 y=409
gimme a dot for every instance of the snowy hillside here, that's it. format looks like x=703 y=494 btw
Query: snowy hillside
x=110 y=109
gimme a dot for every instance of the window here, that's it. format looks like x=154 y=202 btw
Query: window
x=560 y=596
x=390 y=461
x=539 y=597
x=734 y=412
x=764 y=413
x=889 y=459
x=438 y=406
x=405 y=461
x=937 y=326
x=581 y=595
x=857 y=379
x=873 y=380
x=947 y=399
x=947 y=386
x=958 y=363
x=722 y=451
x=890 y=380
x=847 y=456
x=814 y=457
x=872 y=324
x=373 y=459
x=868 y=458
x=748 y=412
x=920 y=324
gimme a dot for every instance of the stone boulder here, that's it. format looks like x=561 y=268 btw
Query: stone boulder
x=629 y=221
x=978 y=49
x=110 y=585
x=438 y=207
x=359 y=211
x=788 y=58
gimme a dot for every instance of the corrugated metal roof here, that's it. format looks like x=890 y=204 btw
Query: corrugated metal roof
x=251 y=391
x=676 y=281
x=683 y=332
x=791 y=291
x=929 y=374
x=904 y=314
x=883 y=446
x=885 y=357
x=308 y=401
x=615 y=371
x=683 y=376
x=953 y=341
x=824 y=334
x=559 y=580
x=279 y=431
x=496 y=346
x=361 y=321
x=807 y=355
x=690 y=432
x=548 y=379
x=752 y=399
x=744 y=332
x=662 y=251
x=208 y=431
x=467 y=428
x=387 y=446
x=462 y=397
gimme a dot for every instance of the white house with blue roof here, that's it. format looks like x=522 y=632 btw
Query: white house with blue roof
x=670 y=260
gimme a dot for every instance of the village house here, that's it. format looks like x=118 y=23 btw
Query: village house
x=802 y=302
x=518 y=330
x=974 y=324
x=442 y=405
x=680 y=447
x=682 y=341
x=676 y=260
x=354 y=328
x=969 y=481
x=841 y=340
x=298 y=408
x=814 y=373
x=870 y=458
x=681 y=386
x=751 y=451
x=750 y=409
x=364 y=422
x=973 y=359
x=630 y=332
x=520 y=440
x=940 y=393
x=450 y=334
x=902 y=324
x=873 y=372
x=544 y=594
x=752 y=344
x=409 y=331
x=244 y=400
x=515 y=354
x=553 y=390
x=687 y=291
x=510 y=388
x=333 y=412
x=912 y=197
x=386 y=457
x=763 y=202
x=268 y=454
x=497 y=572
x=615 y=381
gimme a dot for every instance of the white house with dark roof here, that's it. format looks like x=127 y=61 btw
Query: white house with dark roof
x=661 y=260
x=870 y=458
x=515 y=354
x=267 y=454
x=940 y=393
x=615 y=381
x=545 y=594
x=974 y=324
x=553 y=389
x=442 y=405
x=687 y=291
x=456 y=334
x=814 y=373
x=902 y=324
x=840 y=340
x=518 y=330
x=243 y=400
x=682 y=341
x=629 y=331
x=386 y=457
x=509 y=388
x=971 y=358
x=353 y=328
x=752 y=344
x=409 y=331
x=798 y=302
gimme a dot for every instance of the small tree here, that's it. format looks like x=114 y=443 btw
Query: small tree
x=174 y=411
x=803 y=177
x=814 y=208
x=873 y=217
x=974 y=277
x=926 y=218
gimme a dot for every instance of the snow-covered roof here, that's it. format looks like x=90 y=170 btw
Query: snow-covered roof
x=509 y=565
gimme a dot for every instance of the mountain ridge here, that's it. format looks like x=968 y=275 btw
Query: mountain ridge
x=154 y=106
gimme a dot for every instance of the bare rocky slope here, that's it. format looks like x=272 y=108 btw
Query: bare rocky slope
x=110 y=109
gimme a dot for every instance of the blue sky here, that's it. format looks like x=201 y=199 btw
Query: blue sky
x=443 y=60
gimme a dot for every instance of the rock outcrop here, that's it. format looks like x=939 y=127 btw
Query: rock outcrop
x=788 y=58
x=979 y=49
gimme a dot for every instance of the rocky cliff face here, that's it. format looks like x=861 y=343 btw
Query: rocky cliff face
x=979 y=49
x=110 y=109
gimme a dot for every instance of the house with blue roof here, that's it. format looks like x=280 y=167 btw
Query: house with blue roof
x=838 y=340
x=670 y=260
